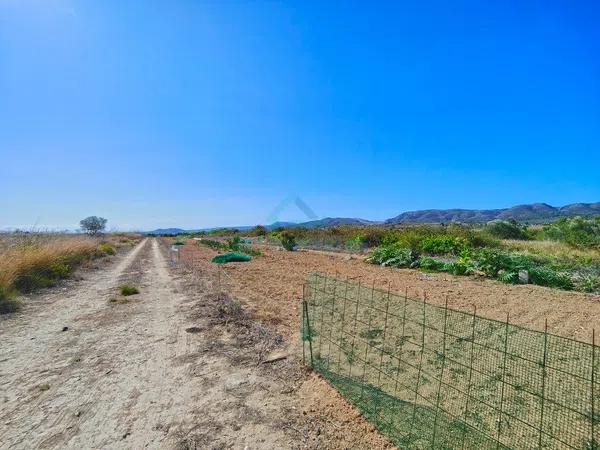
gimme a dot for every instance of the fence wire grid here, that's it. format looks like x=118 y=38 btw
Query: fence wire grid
x=438 y=378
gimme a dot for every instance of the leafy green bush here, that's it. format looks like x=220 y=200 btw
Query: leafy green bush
x=287 y=241
x=431 y=264
x=443 y=245
x=356 y=243
x=507 y=229
x=576 y=231
x=395 y=255
x=233 y=243
x=545 y=276
x=178 y=242
x=213 y=244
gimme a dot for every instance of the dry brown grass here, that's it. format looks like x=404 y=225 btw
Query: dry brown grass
x=556 y=249
x=31 y=260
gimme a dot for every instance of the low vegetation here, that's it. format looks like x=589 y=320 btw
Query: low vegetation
x=31 y=260
x=563 y=254
x=565 y=263
x=233 y=244
x=127 y=290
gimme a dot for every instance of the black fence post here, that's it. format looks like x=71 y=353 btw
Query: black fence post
x=544 y=374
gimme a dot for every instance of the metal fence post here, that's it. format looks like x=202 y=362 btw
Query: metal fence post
x=471 y=360
x=499 y=431
x=594 y=444
x=308 y=331
x=544 y=374
x=437 y=403
x=414 y=415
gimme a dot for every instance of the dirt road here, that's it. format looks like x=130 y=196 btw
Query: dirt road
x=80 y=371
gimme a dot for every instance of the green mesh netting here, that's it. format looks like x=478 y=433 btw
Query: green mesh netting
x=231 y=257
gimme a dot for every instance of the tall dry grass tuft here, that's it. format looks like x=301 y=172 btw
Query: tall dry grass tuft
x=31 y=260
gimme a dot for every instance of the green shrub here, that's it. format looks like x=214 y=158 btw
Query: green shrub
x=126 y=290
x=587 y=283
x=213 y=244
x=356 y=243
x=508 y=277
x=576 y=231
x=106 y=248
x=287 y=241
x=491 y=261
x=430 y=264
x=507 y=229
x=178 y=242
x=545 y=276
x=394 y=255
x=233 y=243
x=8 y=303
x=248 y=250
x=443 y=245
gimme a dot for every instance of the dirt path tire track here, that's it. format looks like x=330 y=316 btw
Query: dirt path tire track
x=127 y=374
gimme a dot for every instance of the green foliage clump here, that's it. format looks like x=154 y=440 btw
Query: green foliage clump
x=248 y=250
x=394 y=255
x=217 y=245
x=356 y=243
x=258 y=230
x=443 y=245
x=106 y=249
x=287 y=241
x=587 y=283
x=491 y=262
x=233 y=243
x=126 y=290
x=507 y=229
x=8 y=303
x=178 y=242
x=546 y=276
x=576 y=231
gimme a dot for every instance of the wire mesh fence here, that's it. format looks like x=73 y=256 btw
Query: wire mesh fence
x=438 y=378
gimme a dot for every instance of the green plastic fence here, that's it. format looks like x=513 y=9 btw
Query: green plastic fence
x=431 y=377
x=231 y=257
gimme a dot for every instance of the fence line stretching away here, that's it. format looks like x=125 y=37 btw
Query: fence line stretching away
x=432 y=377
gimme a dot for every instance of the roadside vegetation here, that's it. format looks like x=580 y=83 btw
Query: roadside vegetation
x=233 y=244
x=564 y=254
x=31 y=260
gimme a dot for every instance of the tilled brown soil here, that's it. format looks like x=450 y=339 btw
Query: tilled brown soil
x=271 y=285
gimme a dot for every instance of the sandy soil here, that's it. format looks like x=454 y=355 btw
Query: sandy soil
x=162 y=369
x=271 y=285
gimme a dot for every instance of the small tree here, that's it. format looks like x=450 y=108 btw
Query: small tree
x=287 y=241
x=93 y=225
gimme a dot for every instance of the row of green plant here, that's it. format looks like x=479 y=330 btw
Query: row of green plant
x=456 y=255
x=233 y=244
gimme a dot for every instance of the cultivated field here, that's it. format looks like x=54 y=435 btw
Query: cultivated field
x=161 y=349
x=270 y=285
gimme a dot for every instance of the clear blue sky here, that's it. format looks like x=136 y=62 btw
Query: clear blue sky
x=194 y=113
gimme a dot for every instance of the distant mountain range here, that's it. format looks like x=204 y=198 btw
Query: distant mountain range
x=533 y=213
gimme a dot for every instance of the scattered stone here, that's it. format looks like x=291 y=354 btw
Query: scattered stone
x=275 y=356
x=193 y=330
x=65 y=329
x=523 y=277
x=347 y=257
